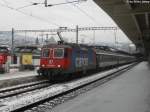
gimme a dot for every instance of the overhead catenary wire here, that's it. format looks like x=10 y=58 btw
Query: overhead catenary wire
x=24 y=6
x=31 y=4
x=47 y=5
x=84 y=12
x=89 y=16
x=69 y=30
x=62 y=3
x=33 y=16
x=68 y=2
x=42 y=19
x=115 y=29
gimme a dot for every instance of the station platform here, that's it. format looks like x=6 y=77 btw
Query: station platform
x=16 y=77
x=15 y=73
x=129 y=92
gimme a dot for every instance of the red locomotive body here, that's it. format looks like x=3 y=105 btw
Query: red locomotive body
x=3 y=58
x=4 y=52
x=54 y=58
x=65 y=59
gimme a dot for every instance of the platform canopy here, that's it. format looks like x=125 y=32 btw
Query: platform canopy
x=133 y=17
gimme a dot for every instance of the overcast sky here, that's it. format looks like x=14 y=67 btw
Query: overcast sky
x=69 y=15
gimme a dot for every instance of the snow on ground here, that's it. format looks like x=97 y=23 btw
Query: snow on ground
x=15 y=73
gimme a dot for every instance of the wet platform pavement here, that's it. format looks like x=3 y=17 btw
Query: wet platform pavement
x=129 y=92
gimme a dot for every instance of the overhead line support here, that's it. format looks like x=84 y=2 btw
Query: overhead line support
x=69 y=30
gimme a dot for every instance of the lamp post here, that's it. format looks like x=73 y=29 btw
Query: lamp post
x=77 y=34
x=12 y=46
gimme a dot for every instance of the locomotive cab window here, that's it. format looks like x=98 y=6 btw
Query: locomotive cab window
x=58 y=53
x=45 y=53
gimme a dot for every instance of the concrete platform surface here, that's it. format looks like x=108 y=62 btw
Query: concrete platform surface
x=15 y=77
x=130 y=92
x=15 y=73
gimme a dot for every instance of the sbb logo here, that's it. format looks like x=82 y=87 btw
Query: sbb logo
x=50 y=61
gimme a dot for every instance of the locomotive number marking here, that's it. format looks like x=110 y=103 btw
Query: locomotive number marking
x=80 y=62
x=50 y=61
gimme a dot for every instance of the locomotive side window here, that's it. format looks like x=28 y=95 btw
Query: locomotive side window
x=45 y=53
x=58 y=53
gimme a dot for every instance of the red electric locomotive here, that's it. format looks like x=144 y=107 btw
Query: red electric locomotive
x=58 y=59
x=4 y=52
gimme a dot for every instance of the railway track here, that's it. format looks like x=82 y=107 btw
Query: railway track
x=46 y=98
x=23 y=88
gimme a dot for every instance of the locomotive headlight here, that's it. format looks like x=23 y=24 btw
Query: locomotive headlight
x=58 y=66
x=43 y=65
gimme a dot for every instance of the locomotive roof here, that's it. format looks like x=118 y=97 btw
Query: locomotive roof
x=68 y=45
x=56 y=45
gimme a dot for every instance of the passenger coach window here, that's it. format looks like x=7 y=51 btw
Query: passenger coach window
x=58 y=53
x=45 y=53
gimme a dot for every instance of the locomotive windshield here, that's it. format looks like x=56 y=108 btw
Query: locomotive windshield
x=46 y=53
x=58 y=53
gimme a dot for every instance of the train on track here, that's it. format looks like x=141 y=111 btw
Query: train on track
x=64 y=60
x=4 y=59
x=27 y=57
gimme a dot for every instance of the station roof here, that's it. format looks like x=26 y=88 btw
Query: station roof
x=132 y=16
